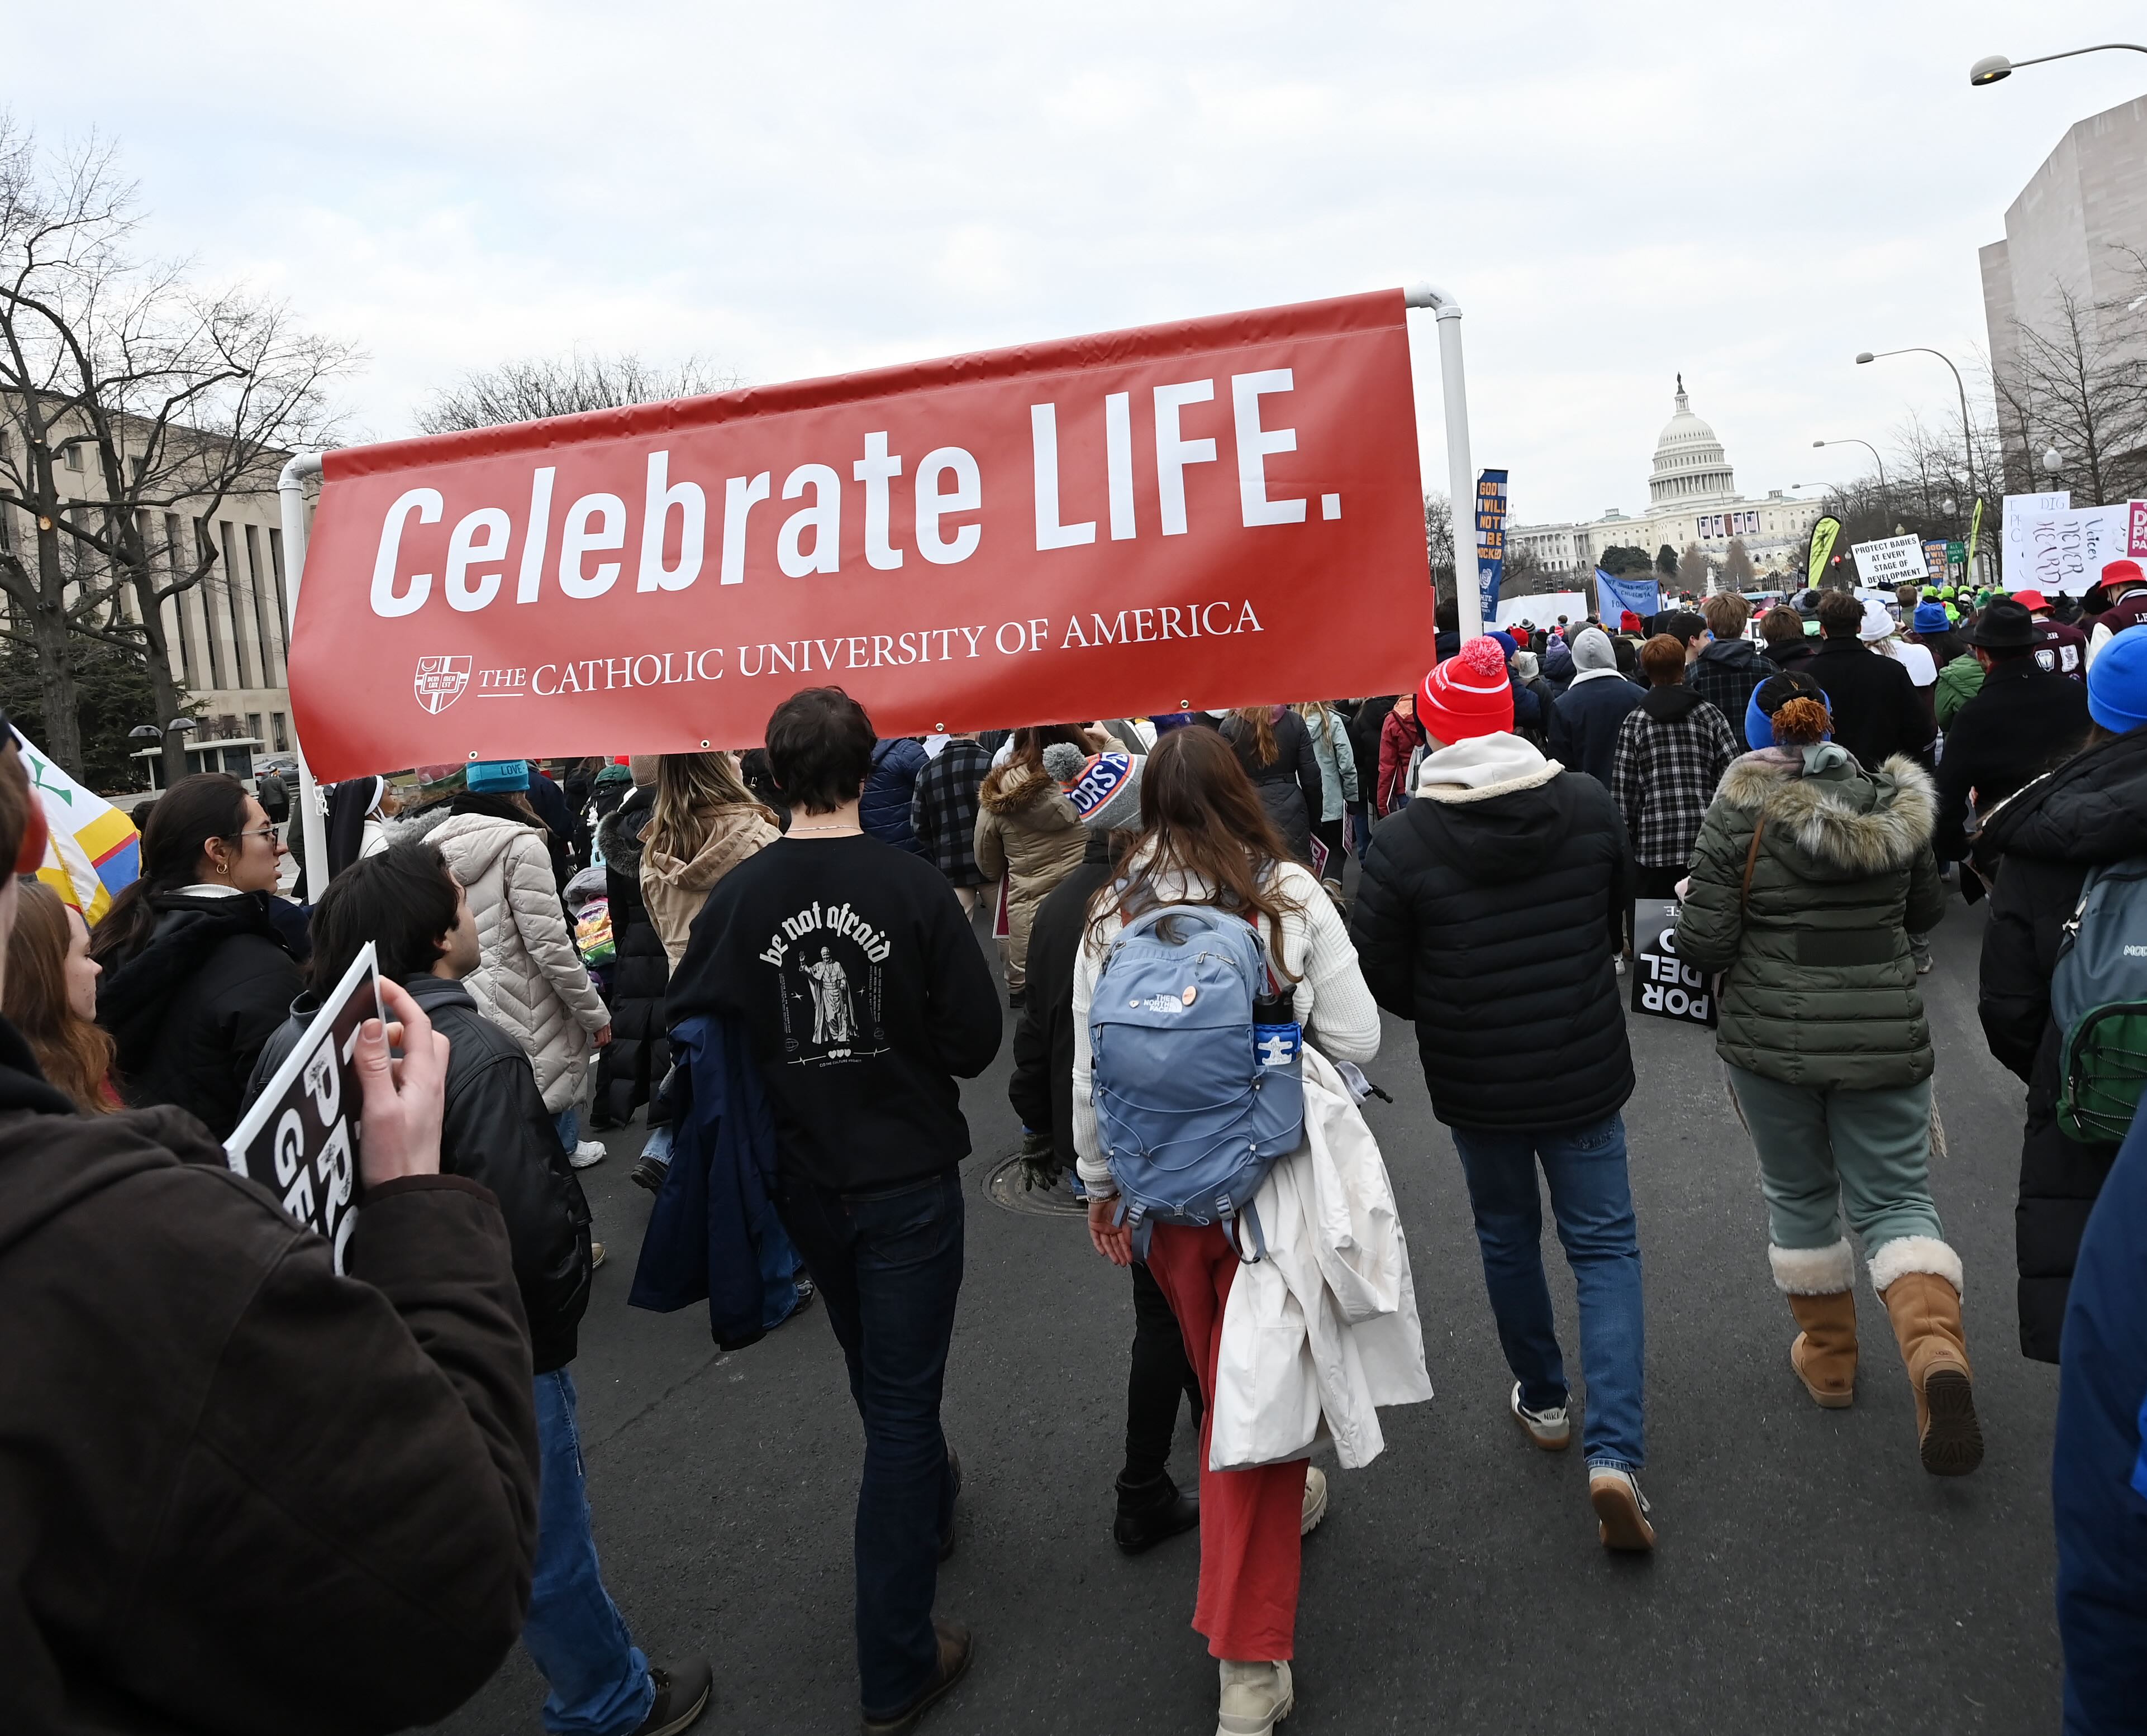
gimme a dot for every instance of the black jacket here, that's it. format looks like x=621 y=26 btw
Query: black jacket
x=1488 y=923
x=550 y=803
x=191 y=1010
x=2020 y=724
x=1726 y=674
x=2092 y=810
x=632 y=1065
x=1289 y=787
x=1584 y=723
x=235 y=1482
x=1790 y=654
x=498 y=1133
x=1877 y=711
x=1041 y=1088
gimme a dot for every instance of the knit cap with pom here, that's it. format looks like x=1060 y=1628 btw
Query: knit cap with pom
x=1467 y=695
x=1064 y=761
x=1105 y=792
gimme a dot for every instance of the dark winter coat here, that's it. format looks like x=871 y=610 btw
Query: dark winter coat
x=235 y=1485
x=1876 y=709
x=2098 y=1466
x=1288 y=786
x=2022 y=722
x=1487 y=922
x=496 y=1131
x=1790 y=654
x=943 y=810
x=1042 y=1086
x=884 y=812
x=190 y=1011
x=550 y=803
x=1821 y=990
x=1367 y=723
x=2037 y=849
x=1585 y=721
x=1399 y=738
x=632 y=1065
x=1726 y=674
x=1558 y=670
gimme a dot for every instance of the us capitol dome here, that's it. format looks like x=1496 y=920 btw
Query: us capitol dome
x=1689 y=462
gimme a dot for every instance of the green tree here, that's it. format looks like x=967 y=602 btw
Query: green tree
x=113 y=693
x=1666 y=563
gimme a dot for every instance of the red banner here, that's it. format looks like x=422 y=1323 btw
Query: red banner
x=1221 y=511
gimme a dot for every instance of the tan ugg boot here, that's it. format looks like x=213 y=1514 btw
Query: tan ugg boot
x=1824 y=1353
x=1925 y=1309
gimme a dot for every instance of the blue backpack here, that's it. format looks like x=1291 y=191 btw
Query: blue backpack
x=2099 y=1002
x=1199 y=1086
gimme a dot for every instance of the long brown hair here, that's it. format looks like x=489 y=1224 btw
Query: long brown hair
x=74 y=1053
x=1202 y=821
x=1026 y=759
x=1260 y=719
x=689 y=788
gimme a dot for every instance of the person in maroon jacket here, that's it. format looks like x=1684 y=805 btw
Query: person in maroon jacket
x=2061 y=649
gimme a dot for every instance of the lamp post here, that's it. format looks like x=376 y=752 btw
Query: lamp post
x=1993 y=67
x=1967 y=429
x=154 y=732
x=1868 y=447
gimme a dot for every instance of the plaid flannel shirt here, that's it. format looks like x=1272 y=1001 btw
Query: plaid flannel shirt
x=1663 y=775
x=942 y=812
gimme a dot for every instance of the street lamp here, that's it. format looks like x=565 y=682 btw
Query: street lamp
x=1868 y=447
x=1967 y=428
x=2053 y=460
x=1992 y=68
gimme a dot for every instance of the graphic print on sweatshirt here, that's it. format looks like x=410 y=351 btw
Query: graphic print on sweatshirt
x=829 y=961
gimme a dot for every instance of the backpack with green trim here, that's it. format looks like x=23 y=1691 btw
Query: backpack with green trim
x=2099 y=1002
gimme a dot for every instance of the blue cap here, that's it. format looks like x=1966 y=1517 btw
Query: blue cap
x=2117 y=683
x=1507 y=641
x=502 y=775
x=1759 y=727
x=1930 y=618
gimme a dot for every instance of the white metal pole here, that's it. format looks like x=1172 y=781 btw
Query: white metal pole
x=291 y=492
x=1460 y=472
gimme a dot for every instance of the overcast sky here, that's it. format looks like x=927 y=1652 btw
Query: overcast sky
x=1614 y=193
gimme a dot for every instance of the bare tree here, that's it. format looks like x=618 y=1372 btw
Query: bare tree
x=1524 y=575
x=1693 y=569
x=1737 y=574
x=536 y=387
x=1438 y=537
x=129 y=399
x=2077 y=380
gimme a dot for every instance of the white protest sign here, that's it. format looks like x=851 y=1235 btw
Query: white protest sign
x=300 y=1138
x=2088 y=540
x=2028 y=540
x=1891 y=560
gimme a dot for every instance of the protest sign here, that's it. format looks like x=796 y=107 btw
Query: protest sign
x=2028 y=540
x=2136 y=544
x=1614 y=597
x=1890 y=561
x=300 y=1138
x=1824 y=532
x=1490 y=540
x=1198 y=515
x=1663 y=984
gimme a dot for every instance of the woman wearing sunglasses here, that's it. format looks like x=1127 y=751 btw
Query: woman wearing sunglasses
x=196 y=976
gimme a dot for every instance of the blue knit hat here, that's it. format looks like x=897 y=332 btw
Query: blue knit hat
x=502 y=775
x=1777 y=690
x=1930 y=618
x=2117 y=683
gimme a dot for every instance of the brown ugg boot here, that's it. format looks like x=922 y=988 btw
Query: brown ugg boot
x=1925 y=1309
x=1824 y=1353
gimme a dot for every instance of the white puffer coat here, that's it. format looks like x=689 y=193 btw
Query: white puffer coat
x=531 y=981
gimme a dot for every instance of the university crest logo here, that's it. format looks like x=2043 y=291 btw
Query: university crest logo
x=441 y=681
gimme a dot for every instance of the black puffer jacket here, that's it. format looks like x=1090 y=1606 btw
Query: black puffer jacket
x=1488 y=921
x=1288 y=785
x=2040 y=846
x=497 y=1133
x=632 y=1065
x=191 y=1010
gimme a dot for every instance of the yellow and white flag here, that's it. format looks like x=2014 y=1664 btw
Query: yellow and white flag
x=94 y=852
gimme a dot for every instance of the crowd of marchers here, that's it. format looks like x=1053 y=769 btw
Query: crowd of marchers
x=243 y=1489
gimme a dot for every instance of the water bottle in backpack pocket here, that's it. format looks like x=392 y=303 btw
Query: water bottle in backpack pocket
x=1198 y=1074
x=2098 y=1002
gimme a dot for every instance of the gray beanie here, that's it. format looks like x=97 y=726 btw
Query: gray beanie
x=1591 y=650
x=1104 y=789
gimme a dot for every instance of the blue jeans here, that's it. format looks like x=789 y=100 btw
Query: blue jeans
x=889 y=1265
x=568 y=1124
x=599 y=1678
x=1592 y=1202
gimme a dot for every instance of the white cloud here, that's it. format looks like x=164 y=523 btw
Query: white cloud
x=1614 y=194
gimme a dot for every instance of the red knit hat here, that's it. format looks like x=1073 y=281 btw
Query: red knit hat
x=1467 y=695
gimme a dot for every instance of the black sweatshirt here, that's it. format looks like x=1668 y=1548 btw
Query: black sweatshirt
x=867 y=996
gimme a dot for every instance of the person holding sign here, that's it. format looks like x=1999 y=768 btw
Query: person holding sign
x=1808 y=879
x=342 y=1469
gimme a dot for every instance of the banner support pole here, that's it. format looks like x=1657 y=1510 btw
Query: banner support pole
x=291 y=495
x=1460 y=472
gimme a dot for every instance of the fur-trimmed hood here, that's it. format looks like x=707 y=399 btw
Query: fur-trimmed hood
x=1845 y=821
x=619 y=832
x=1012 y=788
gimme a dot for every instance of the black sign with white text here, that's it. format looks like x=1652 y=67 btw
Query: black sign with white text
x=1663 y=984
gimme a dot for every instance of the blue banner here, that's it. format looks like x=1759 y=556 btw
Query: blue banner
x=1644 y=597
x=1490 y=541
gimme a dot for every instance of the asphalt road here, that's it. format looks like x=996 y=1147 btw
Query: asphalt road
x=1809 y=1575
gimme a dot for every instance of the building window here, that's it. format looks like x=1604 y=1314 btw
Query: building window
x=205 y=555
x=253 y=725
x=234 y=583
x=72 y=457
x=272 y=670
x=279 y=732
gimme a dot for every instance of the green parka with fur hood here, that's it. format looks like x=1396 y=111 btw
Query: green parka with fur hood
x=1820 y=989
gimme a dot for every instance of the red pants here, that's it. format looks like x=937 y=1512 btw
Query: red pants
x=1250 y=1521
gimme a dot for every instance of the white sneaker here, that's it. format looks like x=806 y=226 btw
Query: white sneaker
x=1621 y=1510
x=589 y=1152
x=1315 y=1501
x=1550 y=1429
x=1256 y=1698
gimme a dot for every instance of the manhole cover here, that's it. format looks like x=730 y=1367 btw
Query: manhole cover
x=1003 y=1187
